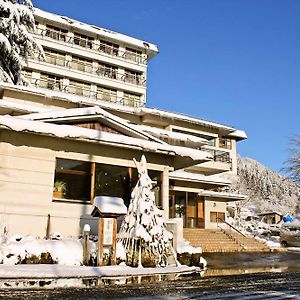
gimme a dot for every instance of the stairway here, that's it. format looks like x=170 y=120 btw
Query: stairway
x=212 y=240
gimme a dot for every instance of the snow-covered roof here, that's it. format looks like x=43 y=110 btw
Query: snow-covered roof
x=77 y=114
x=109 y=205
x=117 y=140
x=194 y=177
x=270 y=213
x=162 y=133
x=222 y=195
x=238 y=134
x=7 y=105
x=140 y=111
x=152 y=49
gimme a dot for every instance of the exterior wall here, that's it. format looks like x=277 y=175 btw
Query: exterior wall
x=27 y=169
x=211 y=205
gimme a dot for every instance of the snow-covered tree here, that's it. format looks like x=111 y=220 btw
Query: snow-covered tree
x=143 y=231
x=293 y=163
x=16 y=40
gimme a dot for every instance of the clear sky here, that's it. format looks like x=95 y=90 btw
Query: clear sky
x=235 y=62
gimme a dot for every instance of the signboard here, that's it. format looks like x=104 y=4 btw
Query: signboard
x=108 y=231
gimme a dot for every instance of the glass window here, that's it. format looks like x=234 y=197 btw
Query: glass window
x=107 y=71
x=225 y=143
x=133 y=55
x=79 y=88
x=83 y=40
x=109 y=48
x=56 y=33
x=133 y=77
x=131 y=99
x=81 y=64
x=106 y=94
x=72 y=179
x=216 y=216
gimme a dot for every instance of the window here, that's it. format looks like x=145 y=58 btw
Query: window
x=54 y=58
x=133 y=55
x=109 y=48
x=51 y=82
x=82 y=181
x=216 y=216
x=81 y=64
x=225 y=143
x=56 y=33
x=83 y=40
x=75 y=176
x=131 y=99
x=133 y=77
x=79 y=88
x=107 y=71
x=106 y=94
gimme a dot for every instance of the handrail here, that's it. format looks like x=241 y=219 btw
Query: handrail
x=228 y=224
x=235 y=239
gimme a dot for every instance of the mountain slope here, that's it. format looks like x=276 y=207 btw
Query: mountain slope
x=266 y=189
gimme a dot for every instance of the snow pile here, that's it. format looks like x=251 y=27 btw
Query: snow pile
x=110 y=205
x=266 y=190
x=185 y=247
x=18 y=248
x=143 y=228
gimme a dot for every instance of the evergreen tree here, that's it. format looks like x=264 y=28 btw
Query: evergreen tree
x=16 y=40
x=143 y=231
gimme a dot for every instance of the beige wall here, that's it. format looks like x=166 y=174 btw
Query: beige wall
x=27 y=168
x=211 y=205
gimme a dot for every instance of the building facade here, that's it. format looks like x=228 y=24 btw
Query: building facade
x=80 y=122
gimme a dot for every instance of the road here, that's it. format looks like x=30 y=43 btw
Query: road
x=247 y=286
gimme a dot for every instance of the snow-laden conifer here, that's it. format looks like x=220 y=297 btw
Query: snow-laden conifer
x=16 y=40
x=143 y=232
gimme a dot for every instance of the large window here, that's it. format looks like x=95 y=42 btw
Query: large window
x=51 y=82
x=106 y=94
x=83 y=40
x=56 y=33
x=109 y=48
x=72 y=180
x=54 y=58
x=132 y=99
x=81 y=64
x=133 y=54
x=79 y=88
x=133 y=77
x=82 y=181
x=105 y=70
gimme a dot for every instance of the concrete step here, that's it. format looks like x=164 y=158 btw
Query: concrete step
x=211 y=240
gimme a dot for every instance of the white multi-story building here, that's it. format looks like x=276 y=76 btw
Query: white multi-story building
x=83 y=118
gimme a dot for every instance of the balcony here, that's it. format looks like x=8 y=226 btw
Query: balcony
x=87 y=67
x=90 y=44
x=57 y=85
x=221 y=163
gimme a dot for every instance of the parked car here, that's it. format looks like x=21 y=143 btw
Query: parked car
x=274 y=229
x=290 y=234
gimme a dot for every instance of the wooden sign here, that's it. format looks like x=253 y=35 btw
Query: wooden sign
x=108 y=231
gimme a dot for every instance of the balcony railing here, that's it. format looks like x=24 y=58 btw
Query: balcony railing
x=57 y=85
x=90 y=44
x=218 y=155
x=87 y=67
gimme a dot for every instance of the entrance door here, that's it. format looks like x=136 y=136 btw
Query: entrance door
x=200 y=213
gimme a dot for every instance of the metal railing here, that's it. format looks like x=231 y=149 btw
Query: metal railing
x=218 y=155
x=87 y=67
x=57 y=85
x=229 y=232
x=91 y=44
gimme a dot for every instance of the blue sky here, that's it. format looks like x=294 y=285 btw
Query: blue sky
x=234 y=62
